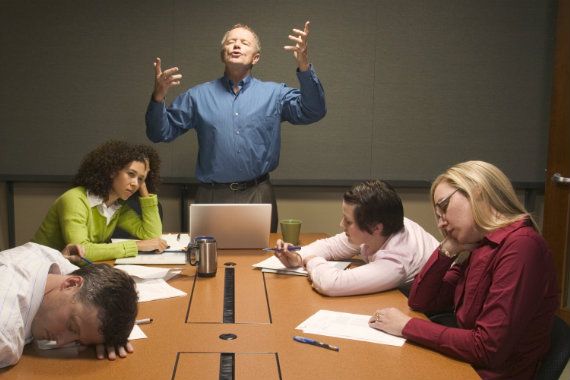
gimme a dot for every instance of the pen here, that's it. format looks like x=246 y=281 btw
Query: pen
x=178 y=237
x=87 y=261
x=290 y=248
x=144 y=321
x=302 y=339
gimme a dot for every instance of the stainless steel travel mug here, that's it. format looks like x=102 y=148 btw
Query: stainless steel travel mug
x=203 y=254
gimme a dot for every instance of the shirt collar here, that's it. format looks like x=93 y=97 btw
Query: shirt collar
x=243 y=84
x=501 y=234
x=104 y=210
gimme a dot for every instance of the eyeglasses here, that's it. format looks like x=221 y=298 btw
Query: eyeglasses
x=441 y=206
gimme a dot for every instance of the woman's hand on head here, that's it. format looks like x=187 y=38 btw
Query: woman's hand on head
x=453 y=247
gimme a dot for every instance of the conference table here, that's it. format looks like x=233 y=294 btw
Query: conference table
x=239 y=324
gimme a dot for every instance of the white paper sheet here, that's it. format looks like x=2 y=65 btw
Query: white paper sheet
x=347 y=326
x=175 y=253
x=273 y=265
x=147 y=273
x=156 y=289
x=176 y=242
x=137 y=333
x=172 y=258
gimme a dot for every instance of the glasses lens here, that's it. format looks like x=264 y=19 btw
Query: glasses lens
x=441 y=206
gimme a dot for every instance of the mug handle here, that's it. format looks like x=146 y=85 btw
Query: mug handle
x=194 y=257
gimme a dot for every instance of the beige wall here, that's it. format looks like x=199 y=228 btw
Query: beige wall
x=318 y=207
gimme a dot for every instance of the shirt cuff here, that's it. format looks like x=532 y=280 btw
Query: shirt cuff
x=150 y=201
x=130 y=248
x=309 y=74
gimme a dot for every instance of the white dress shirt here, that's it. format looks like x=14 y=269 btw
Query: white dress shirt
x=23 y=276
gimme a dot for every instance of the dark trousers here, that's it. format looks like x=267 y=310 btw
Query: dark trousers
x=260 y=193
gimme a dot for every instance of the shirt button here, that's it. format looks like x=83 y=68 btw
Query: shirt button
x=237 y=114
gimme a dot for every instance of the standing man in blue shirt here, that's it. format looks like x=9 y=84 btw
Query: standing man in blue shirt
x=237 y=118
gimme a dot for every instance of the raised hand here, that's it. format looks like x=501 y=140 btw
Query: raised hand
x=163 y=80
x=300 y=50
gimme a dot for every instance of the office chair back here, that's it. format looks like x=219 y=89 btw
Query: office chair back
x=557 y=356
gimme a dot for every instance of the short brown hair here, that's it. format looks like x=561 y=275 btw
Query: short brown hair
x=376 y=202
x=113 y=293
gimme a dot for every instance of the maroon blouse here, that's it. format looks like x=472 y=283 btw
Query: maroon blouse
x=504 y=297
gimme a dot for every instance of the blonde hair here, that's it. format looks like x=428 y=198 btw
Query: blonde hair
x=257 y=41
x=488 y=189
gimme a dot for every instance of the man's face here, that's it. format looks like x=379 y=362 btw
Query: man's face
x=63 y=319
x=240 y=48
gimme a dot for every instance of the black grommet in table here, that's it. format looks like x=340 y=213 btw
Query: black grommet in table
x=228 y=336
x=230 y=264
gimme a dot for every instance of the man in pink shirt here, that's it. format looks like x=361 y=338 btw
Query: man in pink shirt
x=394 y=248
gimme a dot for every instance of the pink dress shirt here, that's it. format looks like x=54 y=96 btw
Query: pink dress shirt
x=394 y=264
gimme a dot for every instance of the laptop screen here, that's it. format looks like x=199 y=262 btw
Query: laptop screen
x=234 y=226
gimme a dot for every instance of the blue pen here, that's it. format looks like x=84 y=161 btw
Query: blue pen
x=302 y=339
x=290 y=248
x=87 y=261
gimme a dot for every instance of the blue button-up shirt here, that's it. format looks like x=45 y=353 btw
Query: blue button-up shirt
x=239 y=135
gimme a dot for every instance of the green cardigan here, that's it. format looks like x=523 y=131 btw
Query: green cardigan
x=71 y=219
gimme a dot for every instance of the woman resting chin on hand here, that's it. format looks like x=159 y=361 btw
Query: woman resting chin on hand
x=88 y=213
x=503 y=289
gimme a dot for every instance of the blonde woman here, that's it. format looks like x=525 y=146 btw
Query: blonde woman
x=503 y=289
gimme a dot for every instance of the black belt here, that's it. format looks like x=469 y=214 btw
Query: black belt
x=236 y=186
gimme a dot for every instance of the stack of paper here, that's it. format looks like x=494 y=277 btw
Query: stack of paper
x=347 y=326
x=176 y=242
x=273 y=265
x=174 y=254
x=151 y=282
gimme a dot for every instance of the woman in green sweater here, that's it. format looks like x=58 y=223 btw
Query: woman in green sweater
x=89 y=213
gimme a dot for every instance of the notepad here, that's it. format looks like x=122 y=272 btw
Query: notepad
x=347 y=326
x=175 y=254
x=273 y=265
x=165 y=258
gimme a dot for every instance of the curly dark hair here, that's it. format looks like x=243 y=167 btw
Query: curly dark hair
x=376 y=202
x=113 y=293
x=99 y=166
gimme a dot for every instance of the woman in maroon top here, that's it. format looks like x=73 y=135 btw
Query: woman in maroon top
x=493 y=269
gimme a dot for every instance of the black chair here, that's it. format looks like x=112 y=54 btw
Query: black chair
x=405 y=289
x=445 y=319
x=557 y=356
x=133 y=203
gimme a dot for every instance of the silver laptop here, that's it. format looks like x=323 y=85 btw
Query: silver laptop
x=234 y=226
